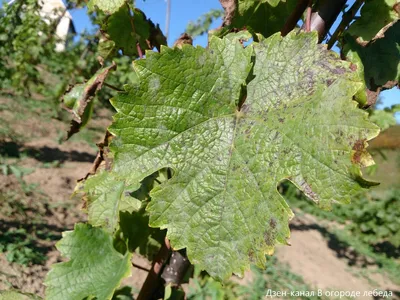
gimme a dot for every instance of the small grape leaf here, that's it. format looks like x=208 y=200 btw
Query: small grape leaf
x=107 y=6
x=298 y=123
x=95 y=268
x=105 y=197
x=79 y=100
x=106 y=48
x=17 y=295
x=376 y=17
x=265 y=16
x=127 y=28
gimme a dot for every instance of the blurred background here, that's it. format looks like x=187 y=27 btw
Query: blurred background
x=355 y=247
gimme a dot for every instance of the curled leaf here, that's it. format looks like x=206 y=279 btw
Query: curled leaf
x=79 y=100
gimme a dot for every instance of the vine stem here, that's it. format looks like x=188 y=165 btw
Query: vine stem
x=140 y=267
x=112 y=87
x=347 y=18
x=152 y=283
x=325 y=13
x=308 y=18
x=139 y=50
x=294 y=17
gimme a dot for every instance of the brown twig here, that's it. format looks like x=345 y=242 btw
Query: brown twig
x=140 y=267
x=346 y=19
x=112 y=87
x=153 y=279
x=139 y=50
x=294 y=17
x=325 y=13
x=308 y=18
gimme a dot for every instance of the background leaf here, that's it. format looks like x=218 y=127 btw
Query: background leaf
x=265 y=16
x=95 y=268
x=375 y=15
x=107 y=6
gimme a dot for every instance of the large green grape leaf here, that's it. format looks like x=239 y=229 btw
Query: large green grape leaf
x=95 y=268
x=376 y=15
x=265 y=16
x=380 y=59
x=298 y=123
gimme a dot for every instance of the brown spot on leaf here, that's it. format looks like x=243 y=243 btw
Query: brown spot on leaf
x=307 y=190
x=251 y=255
x=338 y=71
x=358 y=149
x=272 y=223
x=396 y=8
x=353 y=67
x=269 y=237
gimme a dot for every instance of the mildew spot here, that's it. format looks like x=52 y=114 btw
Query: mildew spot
x=358 y=151
x=329 y=82
x=270 y=237
x=201 y=60
x=307 y=190
x=272 y=223
x=154 y=84
x=353 y=67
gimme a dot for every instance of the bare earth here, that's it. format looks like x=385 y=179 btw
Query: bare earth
x=324 y=267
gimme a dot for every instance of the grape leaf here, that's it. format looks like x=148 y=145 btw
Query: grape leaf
x=298 y=123
x=128 y=28
x=95 y=267
x=376 y=17
x=380 y=59
x=134 y=228
x=106 y=48
x=106 y=196
x=107 y=6
x=265 y=17
x=16 y=295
